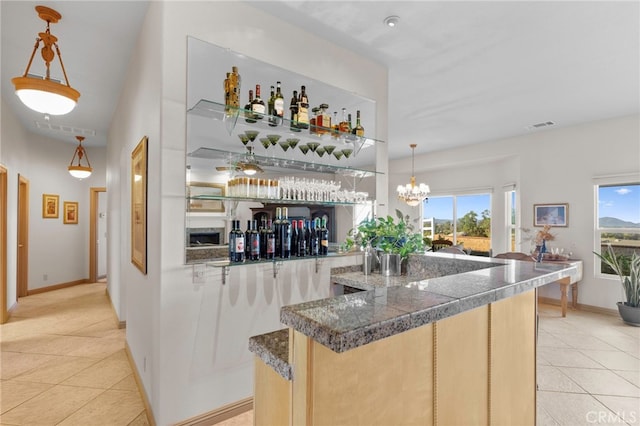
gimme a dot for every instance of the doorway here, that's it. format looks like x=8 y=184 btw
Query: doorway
x=22 y=272
x=4 y=315
x=97 y=234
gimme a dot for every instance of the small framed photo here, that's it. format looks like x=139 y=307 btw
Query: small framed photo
x=139 y=205
x=50 y=204
x=551 y=214
x=70 y=212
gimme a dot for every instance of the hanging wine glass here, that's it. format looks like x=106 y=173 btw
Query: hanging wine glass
x=320 y=151
x=251 y=134
x=304 y=148
x=329 y=149
x=338 y=154
x=243 y=138
x=284 y=145
x=266 y=143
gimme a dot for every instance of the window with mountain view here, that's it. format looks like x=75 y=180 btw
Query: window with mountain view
x=462 y=219
x=618 y=208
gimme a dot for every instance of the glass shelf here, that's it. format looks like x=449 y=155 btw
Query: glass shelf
x=233 y=158
x=227 y=263
x=277 y=201
x=236 y=116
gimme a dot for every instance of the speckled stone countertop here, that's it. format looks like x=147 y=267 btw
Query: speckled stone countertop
x=273 y=349
x=396 y=304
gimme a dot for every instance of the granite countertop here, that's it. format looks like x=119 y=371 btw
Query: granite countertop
x=273 y=349
x=396 y=304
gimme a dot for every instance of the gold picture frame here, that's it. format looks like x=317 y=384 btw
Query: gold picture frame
x=139 y=205
x=202 y=197
x=556 y=214
x=50 y=206
x=70 y=209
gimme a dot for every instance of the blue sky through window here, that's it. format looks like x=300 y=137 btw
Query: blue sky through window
x=621 y=202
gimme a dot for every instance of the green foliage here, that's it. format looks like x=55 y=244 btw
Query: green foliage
x=388 y=235
x=469 y=225
x=628 y=269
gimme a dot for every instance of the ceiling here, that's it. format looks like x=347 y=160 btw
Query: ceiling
x=459 y=72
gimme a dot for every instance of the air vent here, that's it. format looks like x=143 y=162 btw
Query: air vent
x=76 y=131
x=540 y=125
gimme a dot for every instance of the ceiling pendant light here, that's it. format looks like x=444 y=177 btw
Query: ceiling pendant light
x=411 y=193
x=79 y=171
x=43 y=94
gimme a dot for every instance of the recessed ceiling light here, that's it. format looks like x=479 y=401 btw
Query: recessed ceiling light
x=391 y=21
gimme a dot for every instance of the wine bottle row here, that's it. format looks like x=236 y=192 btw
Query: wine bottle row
x=280 y=239
x=319 y=121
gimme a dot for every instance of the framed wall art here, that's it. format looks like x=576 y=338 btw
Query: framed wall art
x=70 y=209
x=551 y=214
x=139 y=206
x=202 y=197
x=50 y=203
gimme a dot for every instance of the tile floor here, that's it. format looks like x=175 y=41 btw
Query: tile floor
x=63 y=363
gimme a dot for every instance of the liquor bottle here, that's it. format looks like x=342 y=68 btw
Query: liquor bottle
x=236 y=243
x=271 y=242
x=313 y=239
x=248 y=115
x=276 y=229
x=303 y=109
x=358 y=130
x=344 y=124
x=312 y=121
x=323 y=120
x=257 y=106
x=294 y=238
x=227 y=92
x=271 y=111
x=293 y=107
x=247 y=241
x=263 y=238
x=324 y=238
x=278 y=104
x=255 y=241
x=349 y=128
x=302 y=240
x=285 y=235
x=234 y=87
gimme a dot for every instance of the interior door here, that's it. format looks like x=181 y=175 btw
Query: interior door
x=23 y=237
x=97 y=234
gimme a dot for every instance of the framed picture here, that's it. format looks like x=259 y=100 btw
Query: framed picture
x=50 y=204
x=551 y=214
x=202 y=197
x=70 y=209
x=139 y=206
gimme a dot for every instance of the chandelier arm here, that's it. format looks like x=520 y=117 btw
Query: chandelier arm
x=35 y=49
x=86 y=156
x=64 y=72
x=75 y=153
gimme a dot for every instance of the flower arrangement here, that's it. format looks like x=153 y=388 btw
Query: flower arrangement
x=544 y=235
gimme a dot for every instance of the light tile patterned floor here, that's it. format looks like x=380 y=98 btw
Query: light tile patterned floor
x=64 y=363
x=588 y=369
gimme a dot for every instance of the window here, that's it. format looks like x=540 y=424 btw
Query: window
x=510 y=203
x=462 y=219
x=618 y=213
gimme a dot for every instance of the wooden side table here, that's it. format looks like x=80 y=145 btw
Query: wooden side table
x=565 y=283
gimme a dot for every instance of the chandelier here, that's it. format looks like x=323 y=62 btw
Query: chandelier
x=78 y=170
x=43 y=94
x=411 y=193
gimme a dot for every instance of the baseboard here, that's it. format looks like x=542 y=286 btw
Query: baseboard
x=56 y=287
x=580 y=307
x=119 y=324
x=219 y=415
x=143 y=394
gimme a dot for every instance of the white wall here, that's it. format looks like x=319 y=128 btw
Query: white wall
x=550 y=166
x=58 y=251
x=189 y=342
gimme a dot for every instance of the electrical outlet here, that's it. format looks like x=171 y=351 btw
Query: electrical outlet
x=199 y=273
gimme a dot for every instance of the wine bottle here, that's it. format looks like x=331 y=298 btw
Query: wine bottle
x=313 y=238
x=263 y=238
x=358 y=130
x=236 y=243
x=247 y=241
x=324 y=238
x=276 y=229
x=302 y=240
x=232 y=242
x=248 y=114
x=303 y=109
x=271 y=242
x=294 y=238
x=293 y=107
x=285 y=235
x=271 y=111
x=278 y=104
x=349 y=128
x=257 y=106
x=255 y=241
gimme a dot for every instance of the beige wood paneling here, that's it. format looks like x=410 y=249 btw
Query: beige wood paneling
x=462 y=371
x=513 y=360
x=388 y=382
x=271 y=396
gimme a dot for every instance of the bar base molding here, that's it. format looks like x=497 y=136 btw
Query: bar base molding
x=219 y=415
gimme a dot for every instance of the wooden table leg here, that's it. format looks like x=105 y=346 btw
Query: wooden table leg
x=563 y=297
x=574 y=295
